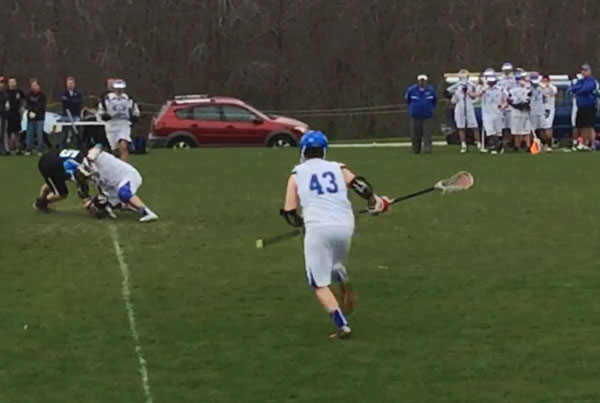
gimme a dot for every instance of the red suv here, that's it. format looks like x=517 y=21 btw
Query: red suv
x=200 y=120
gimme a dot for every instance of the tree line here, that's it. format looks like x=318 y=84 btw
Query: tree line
x=290 y=54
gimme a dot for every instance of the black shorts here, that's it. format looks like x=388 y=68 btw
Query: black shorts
x=586 y=117
x=53 y=172
x=13 y=124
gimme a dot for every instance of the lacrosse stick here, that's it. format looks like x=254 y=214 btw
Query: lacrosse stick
x=460 y=181
x=75 y=131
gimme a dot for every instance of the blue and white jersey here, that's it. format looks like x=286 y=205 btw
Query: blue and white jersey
x=537 y=100
x=323 y=194
x=492 y=100
x=111 y=172
x=71 y=160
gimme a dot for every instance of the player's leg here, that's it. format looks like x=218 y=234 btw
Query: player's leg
x=318 y=256
x=124 y=150
x=339 y=274
x=127 y=192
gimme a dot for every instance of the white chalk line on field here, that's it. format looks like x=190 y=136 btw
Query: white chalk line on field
x=377 y=145
x=126 y=294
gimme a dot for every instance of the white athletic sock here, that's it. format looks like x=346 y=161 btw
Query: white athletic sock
x=463 y=144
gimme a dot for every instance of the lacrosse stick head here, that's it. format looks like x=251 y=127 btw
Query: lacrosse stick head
x=460 y=181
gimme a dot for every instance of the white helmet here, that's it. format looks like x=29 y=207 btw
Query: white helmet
x=119 y=84
x=507 y=66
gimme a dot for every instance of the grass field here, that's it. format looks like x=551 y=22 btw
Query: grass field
x=489 y=295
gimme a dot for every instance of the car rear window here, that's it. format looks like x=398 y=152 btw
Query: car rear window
x=208 y=112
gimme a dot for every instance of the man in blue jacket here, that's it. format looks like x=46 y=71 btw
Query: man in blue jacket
x=71 y=100
x=585 y=90
x=421 y=100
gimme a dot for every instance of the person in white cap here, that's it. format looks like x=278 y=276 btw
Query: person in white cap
x=118 y=110
x=464 y=112
x=549 y=91
x=421 y=100
x=493 y=100
x=537 y=112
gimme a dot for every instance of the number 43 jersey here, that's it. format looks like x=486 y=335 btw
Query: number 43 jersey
x=323 y=194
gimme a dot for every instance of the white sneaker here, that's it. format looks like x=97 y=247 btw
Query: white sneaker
x=149 y=216
x=483 y=150
x=463 y=150
x=494 y=152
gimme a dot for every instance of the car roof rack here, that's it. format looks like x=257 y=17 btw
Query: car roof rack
x=191 y=98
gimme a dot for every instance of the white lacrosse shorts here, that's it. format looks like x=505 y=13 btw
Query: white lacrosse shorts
x=116 y=133
x=537 y=121
x=326 y=250
x=507 y=119
x=492 y=124
x=129 y=185
x=549 y=121
x=519 y=123
x=459 y=118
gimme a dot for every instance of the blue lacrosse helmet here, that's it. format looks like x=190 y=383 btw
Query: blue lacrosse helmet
x=70 y=166
x=313 y=139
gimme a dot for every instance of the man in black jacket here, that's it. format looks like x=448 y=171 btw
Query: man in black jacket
x=4 y=106
x=36 y=112
x=16 y=101
x=71 y=100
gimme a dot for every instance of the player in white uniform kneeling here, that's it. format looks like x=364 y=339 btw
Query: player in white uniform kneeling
x=119 y=111
x=493 y=101
x=119 y=181
x=320 y=188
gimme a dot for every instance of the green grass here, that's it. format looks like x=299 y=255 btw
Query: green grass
x=489 y=295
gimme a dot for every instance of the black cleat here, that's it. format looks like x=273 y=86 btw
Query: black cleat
x=41 y=205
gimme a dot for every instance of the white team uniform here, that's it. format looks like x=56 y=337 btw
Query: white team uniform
x=519 y=119
x=507 y=83
x=549 y=105
x=328 y=219
x=492 y=100
x=115 y=177
x=464 y=114
x=120 y=108
x=537 y=112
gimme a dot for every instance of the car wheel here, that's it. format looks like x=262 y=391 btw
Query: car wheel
x=281 y=140
x=181 y=143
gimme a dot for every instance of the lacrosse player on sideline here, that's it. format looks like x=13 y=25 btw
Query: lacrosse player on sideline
x=519 y=98
x=320 y=188
x=119 y=181
x=549 y=91
x=118 y=110
x=464 y=112
x=493 y=100
x=537 y=113
x=507 y=82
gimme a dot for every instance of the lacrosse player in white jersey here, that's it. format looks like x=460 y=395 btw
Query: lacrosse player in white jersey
x=493 y=100
x=537 y=112
x=320 y=189
x=549 y=91
x=519 y=98
x=507 y=82
x=464 y=112
x=118 y=110
x=119 y=181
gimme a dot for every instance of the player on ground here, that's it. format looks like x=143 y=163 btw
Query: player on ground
x=119 y=181
x=519 y=98
x=493 y=101
x=320 y=188
x=119 y=111
x=57 y=169
x=549 y=91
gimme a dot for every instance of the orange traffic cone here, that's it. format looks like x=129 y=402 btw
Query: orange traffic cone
x=536 y=146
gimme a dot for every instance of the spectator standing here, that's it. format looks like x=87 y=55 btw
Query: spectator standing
x=421 y=100
x=4 y=107
x=549 y=91
x=16 y=102
x=585 y=91
x=71 y=100
x=36 y=113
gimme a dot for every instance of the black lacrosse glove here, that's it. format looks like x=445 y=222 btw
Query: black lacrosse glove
x=134 y=119
x=292 y=218
x=106 y=117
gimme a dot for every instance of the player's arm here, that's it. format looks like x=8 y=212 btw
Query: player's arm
x=290 y=208
x=375 y=204
x=134 y=115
